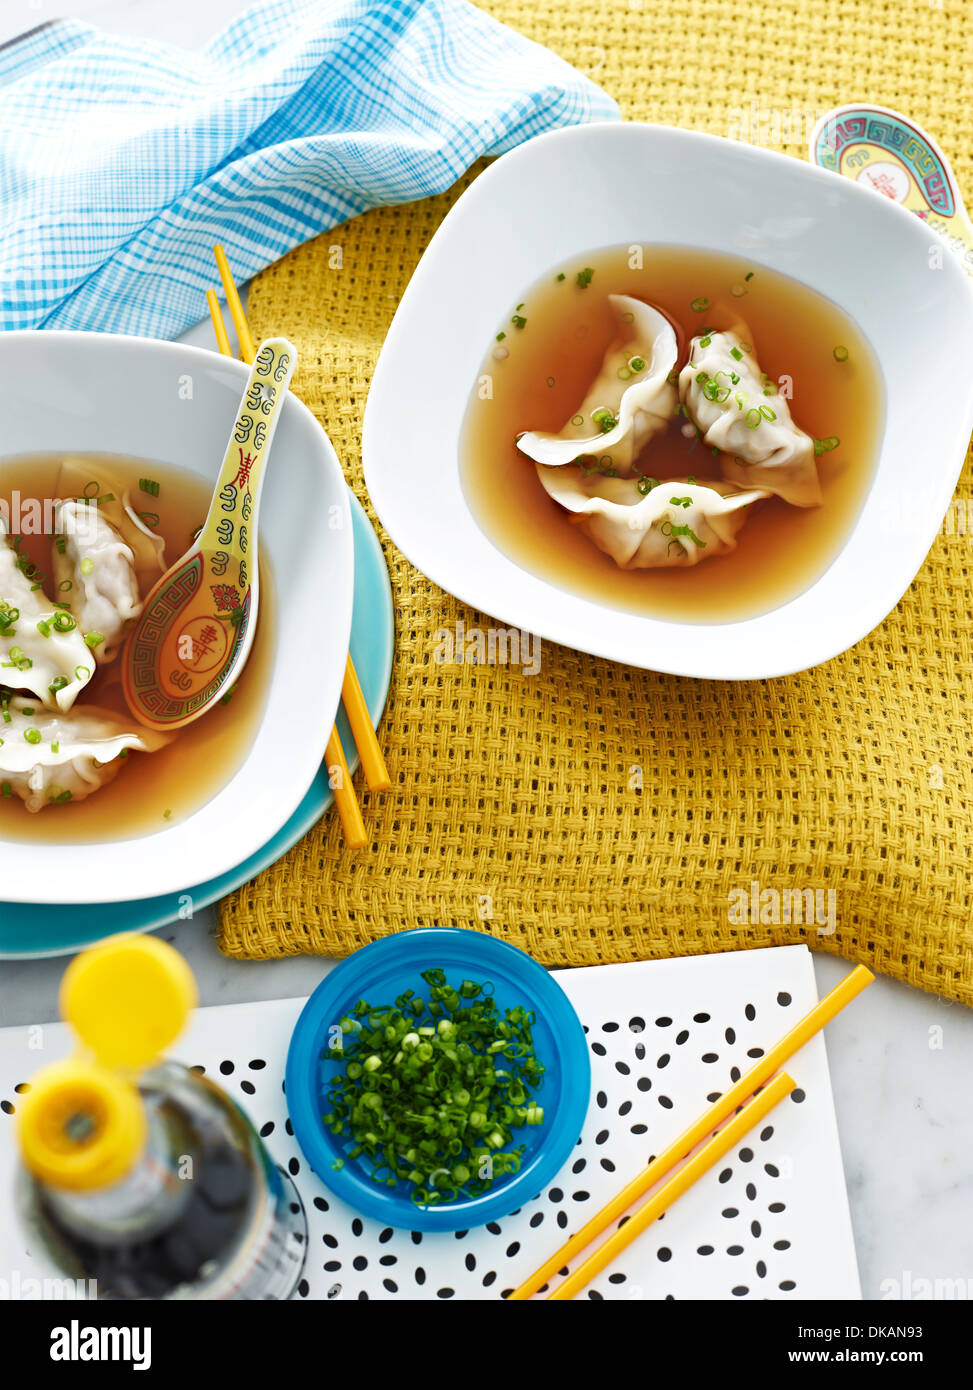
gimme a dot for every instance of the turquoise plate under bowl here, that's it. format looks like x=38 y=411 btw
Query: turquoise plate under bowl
x=46 y=929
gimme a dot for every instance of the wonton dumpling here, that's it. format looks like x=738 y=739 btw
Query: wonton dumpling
x=637 y=406
x=95 y=572
x=676 y=523
x=722 y=389
x=79 y=478
x=34 y=654
x=68 y=756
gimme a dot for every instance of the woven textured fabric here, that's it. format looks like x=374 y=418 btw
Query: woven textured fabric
x=122 y=161
x=598 y=813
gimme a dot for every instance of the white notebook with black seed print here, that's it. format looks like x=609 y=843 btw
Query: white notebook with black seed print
x=770 y=1221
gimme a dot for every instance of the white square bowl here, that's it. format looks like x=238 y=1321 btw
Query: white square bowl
x=577 y=190
x=77 y=393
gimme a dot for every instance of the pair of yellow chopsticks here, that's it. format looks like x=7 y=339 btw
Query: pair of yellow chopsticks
x=372 y=761
x=752 y=1112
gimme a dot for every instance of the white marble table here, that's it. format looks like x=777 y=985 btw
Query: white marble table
x=901 y=1061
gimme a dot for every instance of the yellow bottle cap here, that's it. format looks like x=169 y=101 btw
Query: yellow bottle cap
x=128 y=999
x=80 y=1126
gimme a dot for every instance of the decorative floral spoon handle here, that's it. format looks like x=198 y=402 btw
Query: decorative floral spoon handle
x=197 y=626
x=233 y=511
x=886 y=151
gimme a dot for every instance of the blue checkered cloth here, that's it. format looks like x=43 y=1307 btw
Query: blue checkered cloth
x=123 y=161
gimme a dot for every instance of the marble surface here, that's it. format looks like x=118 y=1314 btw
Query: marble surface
x=900 y=1060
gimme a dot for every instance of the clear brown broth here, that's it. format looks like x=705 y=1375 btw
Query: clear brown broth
x=552 y=360
x=152 y=790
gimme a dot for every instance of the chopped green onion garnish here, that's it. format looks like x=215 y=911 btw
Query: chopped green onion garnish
x=430 y=1090
x=637 y=364
x=699 y=306
x=63 y=622
x=32 y=735
x=500 y=338
x=93 y=639
x=150 y=486
x=561 y=276
x=87 y=565
x=604 y=419
x=585 y=277
x=58 y=683
x=735 y=352
x=518 y=321
x=841 y=354
x=18 y=659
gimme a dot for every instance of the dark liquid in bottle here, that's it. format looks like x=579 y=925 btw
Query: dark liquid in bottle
x=216 y=1204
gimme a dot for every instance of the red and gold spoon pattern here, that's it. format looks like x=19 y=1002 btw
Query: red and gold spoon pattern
x=198 y=622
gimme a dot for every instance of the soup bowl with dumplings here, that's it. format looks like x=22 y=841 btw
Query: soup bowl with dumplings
x=673 y=400
x=94 y=809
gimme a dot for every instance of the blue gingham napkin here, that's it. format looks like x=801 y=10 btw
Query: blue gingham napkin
x=122 y=161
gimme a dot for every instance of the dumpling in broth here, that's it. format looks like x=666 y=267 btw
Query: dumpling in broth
x=722 y=388
x=95 y=572
x=48 y=759
x=677 y=523
x=42 y=649
x=90 y=479
x=631 y=399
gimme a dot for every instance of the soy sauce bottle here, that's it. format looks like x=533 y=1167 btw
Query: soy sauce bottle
x=140 y=1174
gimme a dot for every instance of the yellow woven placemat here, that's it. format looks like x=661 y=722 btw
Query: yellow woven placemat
x=598 y=813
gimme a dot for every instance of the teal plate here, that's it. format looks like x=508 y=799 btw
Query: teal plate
x=49 y=929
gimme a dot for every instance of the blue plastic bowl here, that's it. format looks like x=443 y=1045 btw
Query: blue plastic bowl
x=379 y=973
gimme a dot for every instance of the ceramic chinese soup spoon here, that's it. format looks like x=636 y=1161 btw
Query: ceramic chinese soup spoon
x=199 y=620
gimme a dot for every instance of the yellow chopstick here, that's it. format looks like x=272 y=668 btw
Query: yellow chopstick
x=219 y=327
x=372 y=761
x=805 y=1029
x=727 y=1138
x=344 y=790
x=344 y=793
x=369 y=750
x=236 y=307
